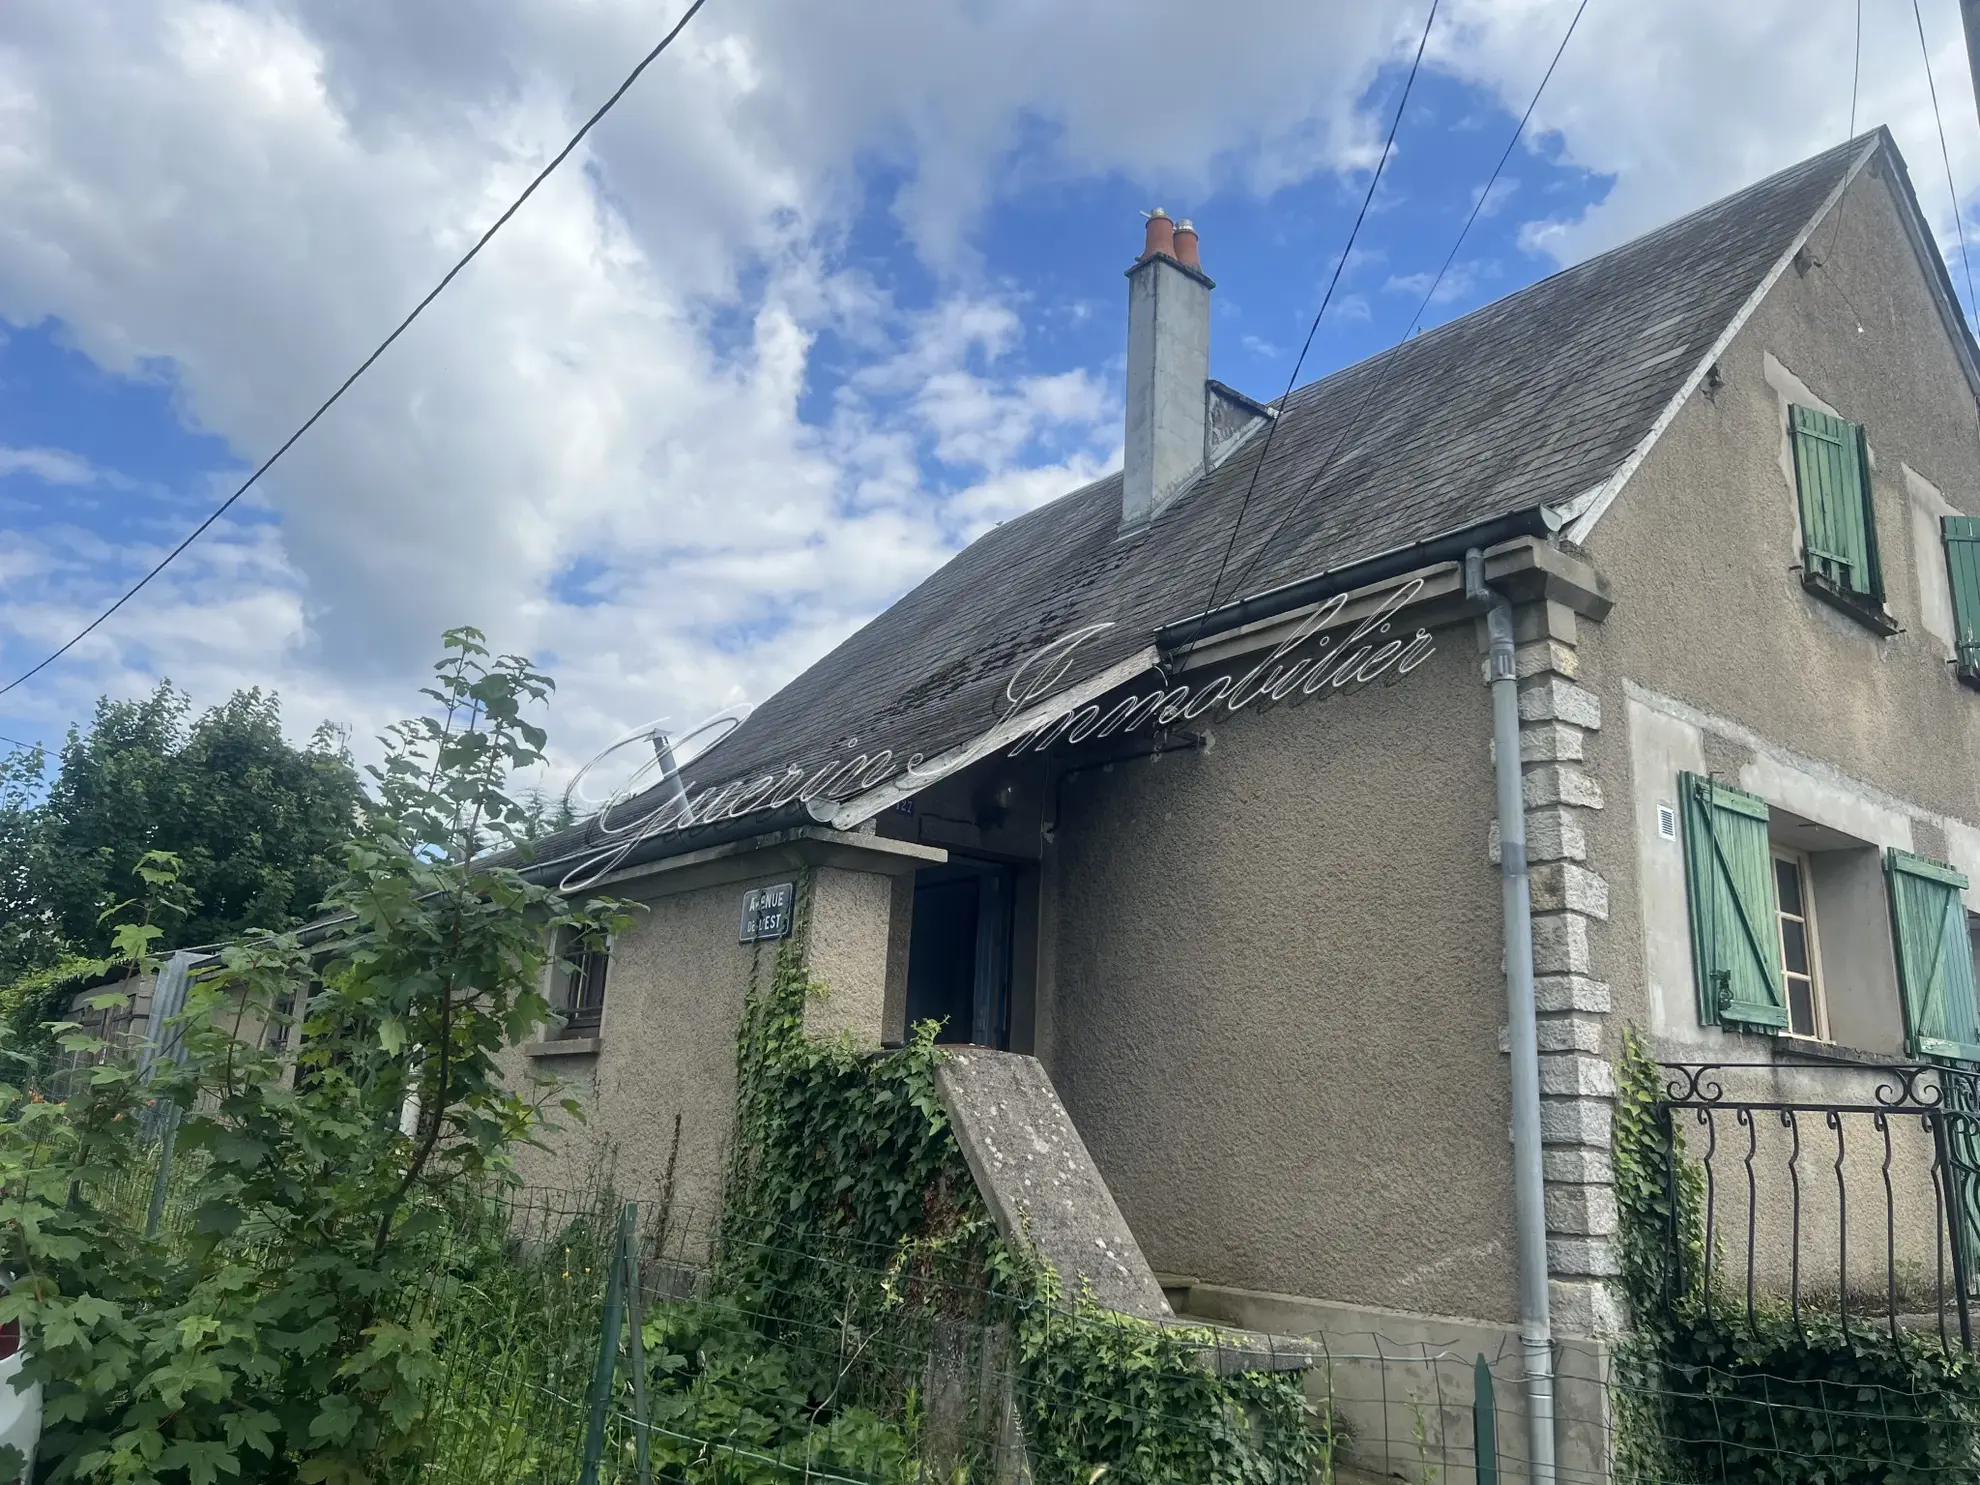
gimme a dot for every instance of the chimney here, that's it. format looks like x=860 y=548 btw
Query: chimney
x=1168 y=368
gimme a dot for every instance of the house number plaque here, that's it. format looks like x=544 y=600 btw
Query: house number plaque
x=766 y=912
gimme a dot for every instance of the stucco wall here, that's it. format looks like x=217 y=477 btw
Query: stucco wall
x=667 y=1047
x=1720 y=661
x=674 y=996
x=1736 y=667
x=1274 y=996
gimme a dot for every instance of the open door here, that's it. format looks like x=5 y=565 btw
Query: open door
x=959 y=955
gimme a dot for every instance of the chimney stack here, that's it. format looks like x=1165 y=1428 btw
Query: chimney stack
x=1168 y=369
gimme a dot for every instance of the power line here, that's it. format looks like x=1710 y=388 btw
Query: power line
x=1855 y=75
x=1375 y=380
x=1959 y=218
x=1388 y=148
x=16 y=742
x=383 y=346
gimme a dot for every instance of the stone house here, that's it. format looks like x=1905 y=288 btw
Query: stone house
x=1194 y=784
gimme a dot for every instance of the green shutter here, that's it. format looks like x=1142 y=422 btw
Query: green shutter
x=1838 y=532
x=1962 y=535
x=1934 y=957
x=1735 y=927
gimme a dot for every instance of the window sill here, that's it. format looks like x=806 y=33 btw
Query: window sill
x=1868 y=612
x=570 y=1046
x=1802 y=1050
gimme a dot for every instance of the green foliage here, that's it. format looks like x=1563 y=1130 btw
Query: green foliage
x=1138 y=1397
x=729 y=1406
x=271 y=1339
x=30 y=1005
x=1710 y=1394
x=850 y=1212
x=257 y=825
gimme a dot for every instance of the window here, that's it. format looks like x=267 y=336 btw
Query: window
x=1838 y=520
x=1800 y=977
x=1729 y=885
x=584 y=989
x=1962 y=535
x=1935 y=957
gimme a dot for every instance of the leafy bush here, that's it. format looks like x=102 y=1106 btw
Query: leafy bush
x=850 y=1213
x=272 y=1340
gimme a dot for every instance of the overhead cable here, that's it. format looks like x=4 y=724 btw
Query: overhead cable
x=1378 y=376
x=384 y=345
x=1388 y=148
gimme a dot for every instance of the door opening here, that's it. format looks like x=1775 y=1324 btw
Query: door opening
x=959 y=953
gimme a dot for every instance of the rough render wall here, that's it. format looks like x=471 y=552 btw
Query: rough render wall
x=1716 y=658
x=677 y=985
x=1273 y=995
x=849 y=951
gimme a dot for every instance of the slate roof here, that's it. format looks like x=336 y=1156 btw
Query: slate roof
x=1525 y=402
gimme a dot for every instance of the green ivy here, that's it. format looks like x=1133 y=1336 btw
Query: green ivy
x=1709 y=1393
x=849 y=1213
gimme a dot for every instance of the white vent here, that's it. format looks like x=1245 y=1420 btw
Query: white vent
x=1667 y=821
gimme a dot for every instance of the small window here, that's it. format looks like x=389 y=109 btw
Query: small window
x=1800 y=956
x=1838 y=520
x=584 y=996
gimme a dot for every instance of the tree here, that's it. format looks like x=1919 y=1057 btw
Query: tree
x=256 y=824
x=271 y=1340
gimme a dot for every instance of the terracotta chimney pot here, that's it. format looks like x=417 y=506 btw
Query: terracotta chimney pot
x=1185 y=240
x=1161 y=235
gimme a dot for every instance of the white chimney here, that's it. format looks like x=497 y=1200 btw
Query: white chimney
x=1168 y=369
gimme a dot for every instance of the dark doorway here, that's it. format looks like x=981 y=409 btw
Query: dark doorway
x=959 y=955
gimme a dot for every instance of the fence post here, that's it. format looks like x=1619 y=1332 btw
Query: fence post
x=608 y=1348
x=1484 y=1423
x=636 y=1314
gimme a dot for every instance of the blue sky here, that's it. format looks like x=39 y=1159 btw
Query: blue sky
x=817 y=305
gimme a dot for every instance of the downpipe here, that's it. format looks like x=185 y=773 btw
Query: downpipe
x=1536 y=1337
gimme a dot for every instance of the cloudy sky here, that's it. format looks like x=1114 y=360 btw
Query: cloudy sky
x=835 y=288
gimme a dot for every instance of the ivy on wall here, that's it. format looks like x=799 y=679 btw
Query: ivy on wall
x=1705 y=1393
x=849 y=1210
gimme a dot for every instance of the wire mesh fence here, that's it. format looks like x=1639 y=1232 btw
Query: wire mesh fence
x=885 y=1367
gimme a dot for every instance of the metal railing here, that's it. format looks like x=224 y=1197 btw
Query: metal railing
x=1846 y=1191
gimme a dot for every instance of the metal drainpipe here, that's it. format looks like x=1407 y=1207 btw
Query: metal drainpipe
x=1522 y=1027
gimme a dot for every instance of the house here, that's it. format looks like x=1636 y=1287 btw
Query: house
x=1198 y=785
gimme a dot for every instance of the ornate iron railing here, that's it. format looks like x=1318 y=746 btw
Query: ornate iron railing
x=1846 y=1190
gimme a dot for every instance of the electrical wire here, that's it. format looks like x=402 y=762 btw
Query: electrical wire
x=1959 y=218
x=16 y=742
x=383 y=346
x=1376 y=379
x=1388 y=148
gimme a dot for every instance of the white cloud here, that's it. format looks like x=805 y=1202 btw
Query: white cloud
x=1687 y=100
x=1460 y=281
x=51 y=466
x=243 y=196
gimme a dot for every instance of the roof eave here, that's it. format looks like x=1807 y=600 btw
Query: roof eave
x=1605 y=494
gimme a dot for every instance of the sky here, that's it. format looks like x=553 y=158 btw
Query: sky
x=832 y=291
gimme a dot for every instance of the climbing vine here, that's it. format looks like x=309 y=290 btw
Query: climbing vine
x=1712 y=1394
x=849 y=1212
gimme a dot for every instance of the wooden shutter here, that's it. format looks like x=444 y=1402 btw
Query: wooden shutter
x=1934 y=957
x=1729 y=882
x=1838 y=533
x=1962 y=535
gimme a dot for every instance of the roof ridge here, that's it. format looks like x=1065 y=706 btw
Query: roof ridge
x=1508 y=303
